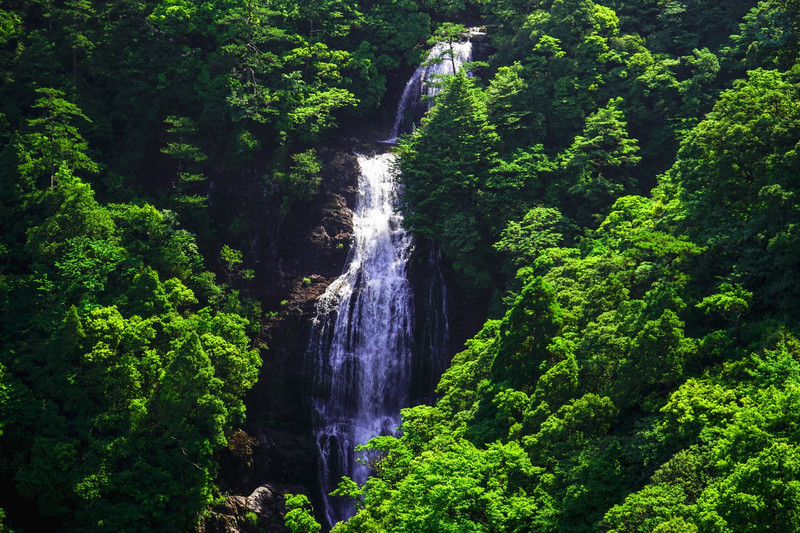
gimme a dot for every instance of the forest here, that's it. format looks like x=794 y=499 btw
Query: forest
x=614 y=185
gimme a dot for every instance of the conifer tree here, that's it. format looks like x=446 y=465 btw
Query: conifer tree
x=444 y=169
x=52 y=140
x=599 y=162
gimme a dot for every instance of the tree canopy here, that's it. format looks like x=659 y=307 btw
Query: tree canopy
x=613 y=186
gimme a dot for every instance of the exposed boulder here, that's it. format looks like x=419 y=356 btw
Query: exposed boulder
x=262 y=511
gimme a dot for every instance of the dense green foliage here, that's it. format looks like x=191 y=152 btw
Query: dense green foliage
x=123 y=362
x=643 y=373
x=620 y=179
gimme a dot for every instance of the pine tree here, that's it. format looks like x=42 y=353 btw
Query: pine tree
x=52 y=140
x=599 y=162
x=444 y=170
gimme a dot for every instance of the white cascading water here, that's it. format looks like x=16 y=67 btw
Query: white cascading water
x=363 y=340
x=363 y=335
x=424 y=81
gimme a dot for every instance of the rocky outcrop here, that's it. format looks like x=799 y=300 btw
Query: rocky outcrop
x=263 y=510
x=298 y=254
x=312 y=247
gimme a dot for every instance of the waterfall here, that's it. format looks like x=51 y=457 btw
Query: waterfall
x=433 y=331
x=362 y=335
x=424 y=82
x=363 y=340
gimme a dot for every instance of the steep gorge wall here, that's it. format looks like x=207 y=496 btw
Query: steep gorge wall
x=276 y=448
x=274 y=453
x=295 y=258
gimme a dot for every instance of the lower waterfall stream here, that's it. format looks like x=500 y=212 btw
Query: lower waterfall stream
x=364 y=335
x=363 y=340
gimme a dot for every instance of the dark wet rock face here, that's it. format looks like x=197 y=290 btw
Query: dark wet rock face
x=297 y=258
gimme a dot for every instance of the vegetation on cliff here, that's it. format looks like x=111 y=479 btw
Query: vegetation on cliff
x=618 y=178
x=641 y=372
x=123 y=360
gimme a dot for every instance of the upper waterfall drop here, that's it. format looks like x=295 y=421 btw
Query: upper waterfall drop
x=423 y=82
